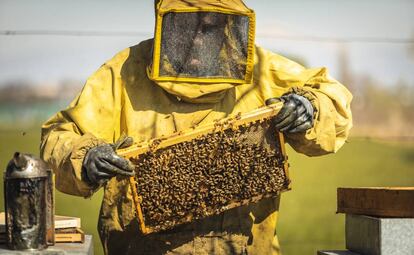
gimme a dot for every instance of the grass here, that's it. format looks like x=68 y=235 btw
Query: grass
x=307 y=219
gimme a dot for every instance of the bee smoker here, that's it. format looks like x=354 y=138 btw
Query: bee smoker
x=29 y=203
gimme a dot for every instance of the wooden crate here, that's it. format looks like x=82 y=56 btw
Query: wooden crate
x=258 y=121
x=381 y=202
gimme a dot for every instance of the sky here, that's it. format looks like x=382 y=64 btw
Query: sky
x=315 y=31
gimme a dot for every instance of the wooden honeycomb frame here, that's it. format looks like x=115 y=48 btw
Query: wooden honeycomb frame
x=187 y=135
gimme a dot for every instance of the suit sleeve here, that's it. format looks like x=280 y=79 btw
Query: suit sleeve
x=91 y=119
x=330 y=99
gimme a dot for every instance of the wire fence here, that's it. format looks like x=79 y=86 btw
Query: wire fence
x=301 y=38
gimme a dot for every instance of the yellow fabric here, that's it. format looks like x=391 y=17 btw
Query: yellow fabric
x=229 y=6
x=120 y=98
x=236 y=7
x=197 y=93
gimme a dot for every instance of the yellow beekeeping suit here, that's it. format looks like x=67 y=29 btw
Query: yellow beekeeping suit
x=120 y=98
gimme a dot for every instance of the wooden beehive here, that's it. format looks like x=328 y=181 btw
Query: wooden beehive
x=208 y=169
x=377 y=201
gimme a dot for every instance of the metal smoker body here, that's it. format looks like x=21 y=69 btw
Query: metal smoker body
x=28 y=196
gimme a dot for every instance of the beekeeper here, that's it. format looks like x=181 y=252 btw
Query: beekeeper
x=201 y=65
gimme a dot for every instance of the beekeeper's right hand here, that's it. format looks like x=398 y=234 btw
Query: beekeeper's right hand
x=101 y=163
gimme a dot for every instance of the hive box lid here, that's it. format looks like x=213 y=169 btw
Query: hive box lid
x=377 y=201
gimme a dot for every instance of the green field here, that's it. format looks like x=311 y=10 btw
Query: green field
x=307 y=218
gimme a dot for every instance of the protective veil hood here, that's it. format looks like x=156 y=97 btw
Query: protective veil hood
x=202 y=48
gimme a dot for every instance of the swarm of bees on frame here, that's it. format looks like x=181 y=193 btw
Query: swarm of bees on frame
x=210 y=174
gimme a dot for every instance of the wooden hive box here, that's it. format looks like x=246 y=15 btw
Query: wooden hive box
x=377 y=201
x=208 y=169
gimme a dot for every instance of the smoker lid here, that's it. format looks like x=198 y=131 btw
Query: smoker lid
x=26 y=166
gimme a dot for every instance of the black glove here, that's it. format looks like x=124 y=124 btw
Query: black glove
x=101 y=163
x=296 y=114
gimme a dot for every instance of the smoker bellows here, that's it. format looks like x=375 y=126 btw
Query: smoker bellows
x=207 y=170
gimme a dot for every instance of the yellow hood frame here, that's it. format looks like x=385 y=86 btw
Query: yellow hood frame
x=235 y=7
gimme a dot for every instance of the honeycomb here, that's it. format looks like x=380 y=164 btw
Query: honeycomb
x=210 y=174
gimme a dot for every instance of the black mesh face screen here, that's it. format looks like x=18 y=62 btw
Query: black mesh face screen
x=204 y=45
